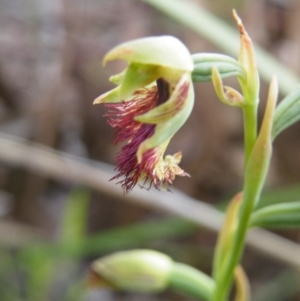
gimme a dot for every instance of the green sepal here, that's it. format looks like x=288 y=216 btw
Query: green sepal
x=226 y=66
x=285 y=215
x=287 y=113
x=138 y=76
x=110 y=96
x=164 y=51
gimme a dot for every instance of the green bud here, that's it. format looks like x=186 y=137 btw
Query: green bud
x=138 y=270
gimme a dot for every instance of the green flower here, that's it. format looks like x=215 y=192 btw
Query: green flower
x=153 y=99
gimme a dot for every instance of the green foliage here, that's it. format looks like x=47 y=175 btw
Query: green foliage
x=48 y=264
x=287 y=113
x=204 y=63
x=284 y=215
x=74 y=220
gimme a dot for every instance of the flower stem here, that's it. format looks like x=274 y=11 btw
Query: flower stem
x=192 y=282
x=250 y=129
x=225 y=277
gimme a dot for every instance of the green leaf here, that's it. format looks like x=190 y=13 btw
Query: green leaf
x=286 y=113
x=205 y=62
x=285 y=215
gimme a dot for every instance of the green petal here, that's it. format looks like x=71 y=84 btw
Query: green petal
x=138 y=76
x=166 y=129
x=110 y=96
x=165 y=51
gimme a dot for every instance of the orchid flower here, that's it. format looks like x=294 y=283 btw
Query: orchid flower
x=153 y=99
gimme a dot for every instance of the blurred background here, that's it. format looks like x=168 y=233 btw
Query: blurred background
x=54 y=224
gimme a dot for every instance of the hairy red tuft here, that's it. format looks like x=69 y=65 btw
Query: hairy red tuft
x=121 y=117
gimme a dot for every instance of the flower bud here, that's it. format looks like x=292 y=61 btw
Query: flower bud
x=137 y=270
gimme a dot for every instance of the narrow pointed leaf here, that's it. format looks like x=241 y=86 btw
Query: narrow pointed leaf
x=242 y=285
x=109 y=97
x=286 y=113
x=285 y=215
x=204 y=63
x=258 y=164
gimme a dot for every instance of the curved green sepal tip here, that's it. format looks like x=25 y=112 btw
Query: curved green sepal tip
x=165 y=51
x=110 y=96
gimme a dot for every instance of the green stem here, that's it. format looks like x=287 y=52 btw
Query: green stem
x=250 y=129
x=225 y=277
x=192 y=282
